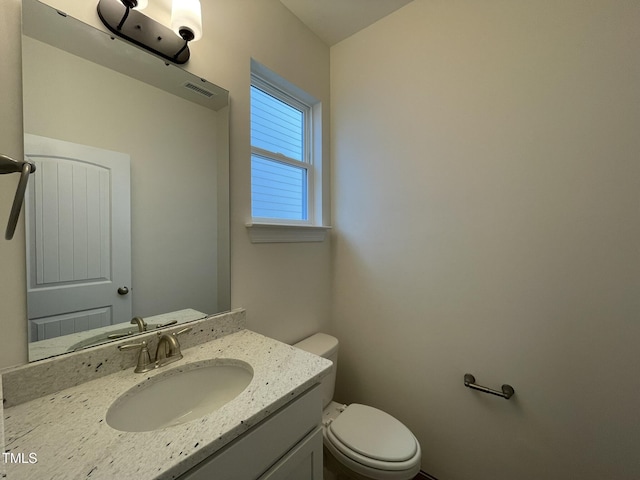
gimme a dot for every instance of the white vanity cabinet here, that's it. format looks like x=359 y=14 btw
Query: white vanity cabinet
x=287 y=445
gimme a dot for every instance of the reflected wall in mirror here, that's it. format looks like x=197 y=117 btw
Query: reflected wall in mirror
x=92 y=93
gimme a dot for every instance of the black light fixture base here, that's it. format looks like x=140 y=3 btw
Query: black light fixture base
x=186 y=34
x=143 y=31
x=130 y=3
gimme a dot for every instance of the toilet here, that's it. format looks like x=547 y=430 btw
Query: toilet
x=362 y=442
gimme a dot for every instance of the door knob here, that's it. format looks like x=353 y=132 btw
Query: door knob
x=123 y=291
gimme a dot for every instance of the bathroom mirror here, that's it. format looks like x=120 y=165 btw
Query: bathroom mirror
x=88 y=96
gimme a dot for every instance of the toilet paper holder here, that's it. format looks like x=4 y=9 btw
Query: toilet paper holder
x=507 y=390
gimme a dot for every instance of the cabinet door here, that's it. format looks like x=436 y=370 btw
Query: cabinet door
x=302 y=462
x=266 y=444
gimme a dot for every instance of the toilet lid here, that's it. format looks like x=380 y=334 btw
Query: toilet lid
x=374 y=434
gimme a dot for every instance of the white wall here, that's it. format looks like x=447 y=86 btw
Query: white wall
x=486 y=190
x=285 y=287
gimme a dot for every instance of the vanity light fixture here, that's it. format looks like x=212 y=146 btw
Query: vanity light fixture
x=124 y=18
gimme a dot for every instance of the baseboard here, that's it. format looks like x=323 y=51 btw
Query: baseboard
x=424 y=476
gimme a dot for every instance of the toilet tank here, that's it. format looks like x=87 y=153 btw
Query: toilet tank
x=324 y=346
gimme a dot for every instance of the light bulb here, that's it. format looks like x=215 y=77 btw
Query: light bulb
x=186 y=16
x=142 y=4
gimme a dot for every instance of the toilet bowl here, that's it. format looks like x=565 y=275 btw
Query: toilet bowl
x=364 y=442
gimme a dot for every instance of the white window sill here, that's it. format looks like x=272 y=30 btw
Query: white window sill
x=285 y=233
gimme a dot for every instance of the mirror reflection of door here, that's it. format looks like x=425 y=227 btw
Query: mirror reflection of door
x=78 y=238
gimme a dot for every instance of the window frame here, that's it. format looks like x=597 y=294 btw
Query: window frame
x=307 y=163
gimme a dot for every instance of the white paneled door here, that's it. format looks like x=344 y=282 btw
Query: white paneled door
x=78 y=238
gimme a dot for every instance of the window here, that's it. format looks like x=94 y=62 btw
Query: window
x=281 y=173
x=285 y=161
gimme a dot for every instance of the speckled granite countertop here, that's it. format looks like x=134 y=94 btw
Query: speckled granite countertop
x=71 y=439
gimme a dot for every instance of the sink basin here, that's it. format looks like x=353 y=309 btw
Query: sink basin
x=179 y=395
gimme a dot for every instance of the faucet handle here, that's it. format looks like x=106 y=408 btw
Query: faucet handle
x=184 y=330
x=131 y=346
x=114 y=336
x=144 y=357
x=161 y=325
x=175 y=334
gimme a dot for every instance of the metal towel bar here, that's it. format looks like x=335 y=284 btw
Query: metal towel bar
x=470 y=381
x=25 y=168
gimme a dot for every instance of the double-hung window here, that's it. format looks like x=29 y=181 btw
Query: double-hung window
x=281 y=155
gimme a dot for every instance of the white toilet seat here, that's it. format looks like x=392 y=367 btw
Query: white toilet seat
x=373 y=443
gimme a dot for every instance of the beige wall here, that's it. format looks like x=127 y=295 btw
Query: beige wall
x=13 y=300
x=486 y=180
x=285 y=287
